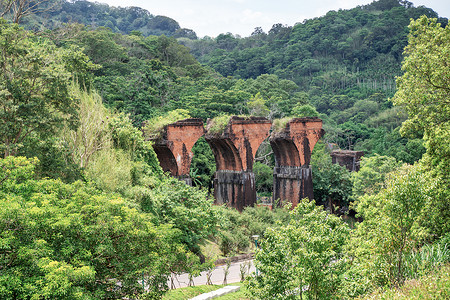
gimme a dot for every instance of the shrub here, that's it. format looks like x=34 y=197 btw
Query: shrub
x=381 y=246
x=279 y=125
x=302 y=257
x=241 y=226
x=70 y=241
x=226 y=242
x=218 y=124
x=242 y=241
x=154 y=127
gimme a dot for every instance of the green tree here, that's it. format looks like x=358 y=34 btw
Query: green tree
x=211 y=101
x=172 y=53
x=371 y=176
x=279 y=95
x=424 y=93
x=331 y=182
x=54 y=157
x=303 y=257
x=186 y=208
x=17 y=169
x=257 y=106
x=424 y=89
x=352 y=134
x=305 y=110
x=34 y=81
x=101 y=46
x=391 y=226
x=70 y=241
x=390 y=143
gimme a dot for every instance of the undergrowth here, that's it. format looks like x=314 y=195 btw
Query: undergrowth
x=432 y=286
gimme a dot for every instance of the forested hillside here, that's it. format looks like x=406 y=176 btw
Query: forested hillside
x=360 y=47
x=94 y=14
x=343 y=64
x=87 y=213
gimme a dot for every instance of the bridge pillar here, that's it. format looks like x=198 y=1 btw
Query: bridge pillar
x=234 y=151
x=292 y=147
x=347 y=158
x=174 y=147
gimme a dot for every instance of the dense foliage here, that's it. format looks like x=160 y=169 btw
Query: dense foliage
x=349 y=74
x=299 y=256
x=33 y=85
x=86 y=211
x=124 y=20
x=423 y=91
x=402 y=207
x=72 y=241
x=331 y=182
x=236 y=229
x=343 y=64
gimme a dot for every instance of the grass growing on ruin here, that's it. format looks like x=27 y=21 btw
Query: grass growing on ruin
x=218 y=124
x=279 y=125
x=154 y=127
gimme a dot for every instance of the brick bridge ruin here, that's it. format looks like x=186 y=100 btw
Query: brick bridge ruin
x=234 y=152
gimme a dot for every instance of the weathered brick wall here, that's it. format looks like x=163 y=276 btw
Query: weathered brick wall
x=347 y=158
x=292 y=148
x=174 y=148
x=234 y=151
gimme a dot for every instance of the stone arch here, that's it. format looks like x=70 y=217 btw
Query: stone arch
x=234 y=151
x=226 y=154
x=174 y=146
x=292 y=148
x=285 y=152
x=265 y=157
x=166 y=159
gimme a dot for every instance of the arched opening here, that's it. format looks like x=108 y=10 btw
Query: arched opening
x=229 y=179
x=263 y=167
x=203 y=165
x=292 y=144
x=289 y=175
x=174 y=145
x=285 y=152
x=166 y=159
x=225 y=154
x=234 y=151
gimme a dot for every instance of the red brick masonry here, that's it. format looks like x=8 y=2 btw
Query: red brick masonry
x=234 y=152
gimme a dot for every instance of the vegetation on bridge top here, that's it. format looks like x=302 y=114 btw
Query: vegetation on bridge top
x=154 y=128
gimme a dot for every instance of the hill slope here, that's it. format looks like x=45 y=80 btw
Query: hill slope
x=119 y=19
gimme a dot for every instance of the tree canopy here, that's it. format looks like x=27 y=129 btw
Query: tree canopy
x=34 y=82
